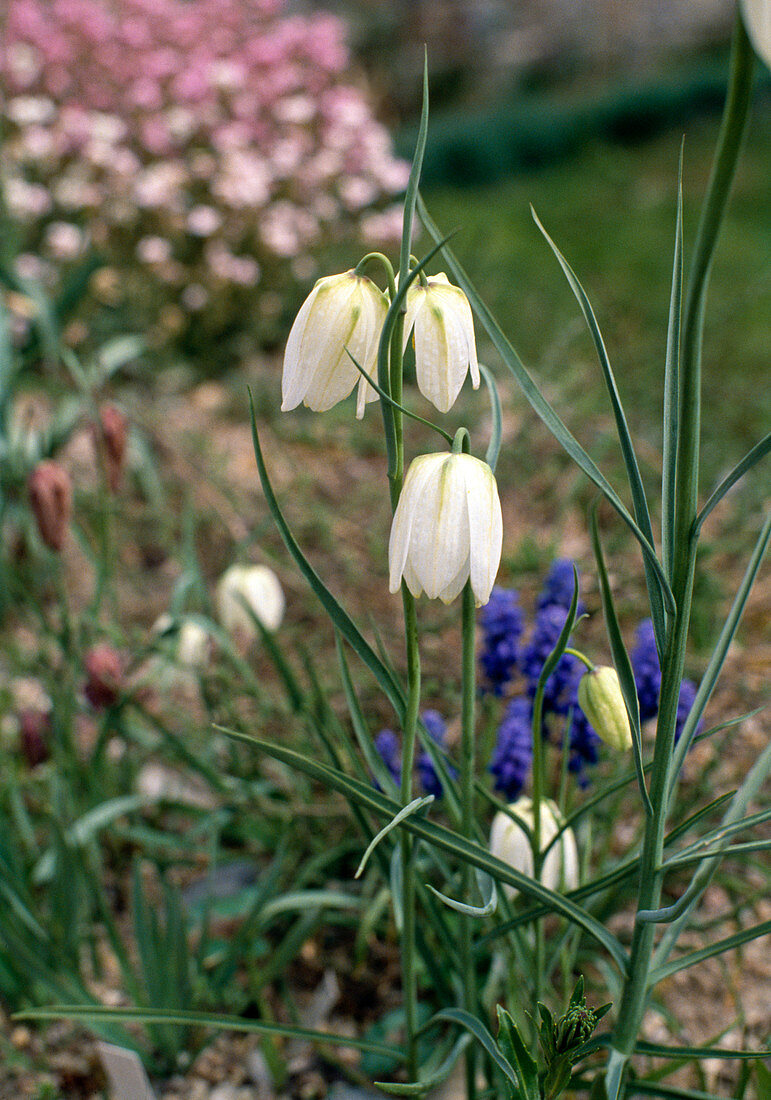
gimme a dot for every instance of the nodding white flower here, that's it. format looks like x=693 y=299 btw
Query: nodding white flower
x=341 y=317
x=252 y=587
x=602 y=701
x=445 y=348
x=447 y=528
x=192 y=648
x=509 y=842
x=757 y=20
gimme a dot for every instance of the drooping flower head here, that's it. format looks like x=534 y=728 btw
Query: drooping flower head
x=340 y=320
x=502 y=623
x=601 y=700
x=447 y=528
x=509 y=842
x=246 y=590
x=445 y=348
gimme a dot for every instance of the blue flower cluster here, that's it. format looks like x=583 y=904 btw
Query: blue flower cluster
x=504 y=658
x=502 y=624
x=389 y=748
x=647 y=678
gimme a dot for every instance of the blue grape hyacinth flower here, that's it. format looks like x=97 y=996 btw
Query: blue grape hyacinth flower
x=647 y=672
x=502 y=623
x=437 y=730
x=513 y=755
x=559 y=586
x=387 y=745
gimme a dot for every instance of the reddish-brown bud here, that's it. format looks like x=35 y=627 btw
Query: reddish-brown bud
x=50 y=497
x=35 y=736
x=114 y=439
x=104 y=671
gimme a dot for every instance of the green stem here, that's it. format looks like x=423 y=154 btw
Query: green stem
x=634 y=995
x=409 y=977
x=535 y=840
x=467 y=762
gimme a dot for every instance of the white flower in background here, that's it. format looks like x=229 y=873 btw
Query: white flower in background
x=445 y=349
x=342 y=314
x=447 y=528
x=193 y=643
x=255 y=587
x=509 y=843
x=601 y=700
x=757 y=20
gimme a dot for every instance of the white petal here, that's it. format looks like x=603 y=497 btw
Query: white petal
x=439 y=541
x=416 y=298
x=420 y=472
x=294 y=381
x=485 y=527
x=441 y=354
x=329 y=330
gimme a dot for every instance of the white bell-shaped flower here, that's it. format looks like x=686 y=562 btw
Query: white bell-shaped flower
x=341 y=317
x=192 y=644
x=445 y=349
x=447 y=528
x=757 y=20
x=509 y=843
x=245 y=588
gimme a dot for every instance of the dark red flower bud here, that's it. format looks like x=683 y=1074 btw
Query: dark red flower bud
x=114 y=439
x=35 y=736
x=104 y=670
x=50 y=497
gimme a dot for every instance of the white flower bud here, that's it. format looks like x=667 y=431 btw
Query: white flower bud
x=255 y=587
x=342 y=314
x=509 y=843
x=601 y=700
x=445 y=348
x=447 y=528
x=193 y=644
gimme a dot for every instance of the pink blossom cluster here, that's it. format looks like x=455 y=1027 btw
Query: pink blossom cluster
x=217 y=143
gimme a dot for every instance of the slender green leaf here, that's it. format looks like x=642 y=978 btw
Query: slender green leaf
x=496 y=426
x=413 y=183
x=614 y=1075
x=641 y=511
x=414 y=807
x=486 y=887
x=512 y=1045
x=668 y=1092
x=657 y=1050
x=717 y=948
x=98 y=1014
x=481 y=1034
x=717 y=853
x=759 y=451
x=541 y=406
x=373 y=758
x=443 y=838
x=672 y=390
x=621 y=661
x=716 y=661
x=86 y=827
x=340 y=619
x=428 y=1081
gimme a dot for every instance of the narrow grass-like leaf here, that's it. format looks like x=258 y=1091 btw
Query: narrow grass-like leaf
x=526 y=1067
x=97 y=1014
x=373 y=758
x=430 y=1080
x=413 y=183
x=542 y=407
x=639 y=501
x=658 y=1050
x=669 y=1092
x=621 y=661
x=486 y=887
x=672 y=391
x=747 y=792
x=759 y=451
x=414 y=807
x=87 y=826
x=496 y=426
x=614 y=1075
x=725 y=831
x=340 y=618
x=445 y=839
x=717 y=948
x=481 y=1034
x=716 y=661
x=717 y=853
